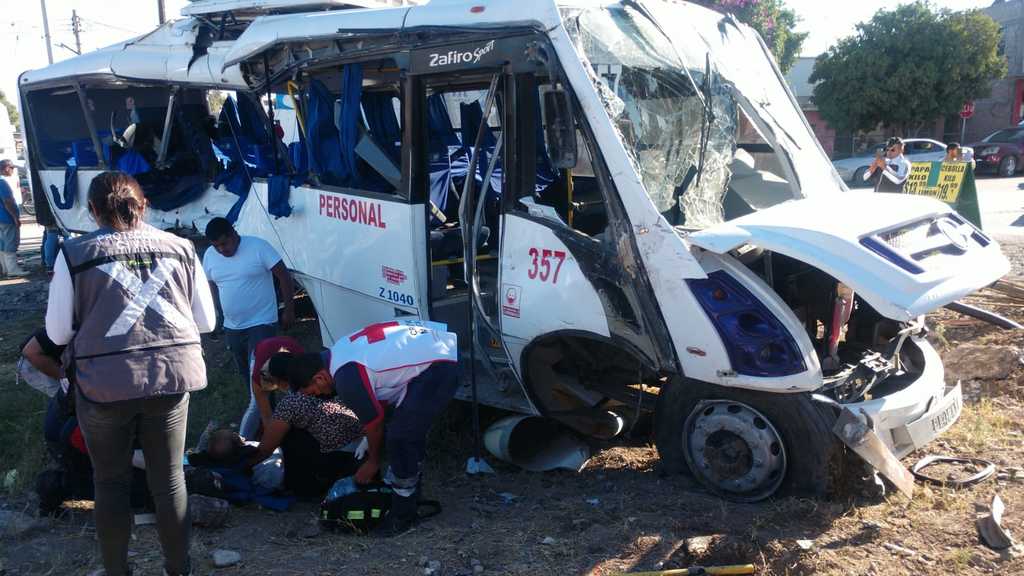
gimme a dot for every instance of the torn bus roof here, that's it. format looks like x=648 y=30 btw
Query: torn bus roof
x=167 y=54
x=243 y=8
x=269 y=31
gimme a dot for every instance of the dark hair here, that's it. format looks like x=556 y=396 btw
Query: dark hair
x=280 y=364
x=302 y=370
x=117 y=200
x=952 y=145
x=218 y=228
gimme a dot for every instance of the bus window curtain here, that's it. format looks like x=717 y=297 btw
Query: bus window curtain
x=70 y=189
x=351 y=95
x=380 y=118
x=322 y=139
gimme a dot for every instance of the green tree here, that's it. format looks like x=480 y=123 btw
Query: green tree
x=12 y=110
x=907 y=67
x=772 y=19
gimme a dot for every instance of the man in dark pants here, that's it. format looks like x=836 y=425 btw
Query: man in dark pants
x=241 y=270
x=397 y=377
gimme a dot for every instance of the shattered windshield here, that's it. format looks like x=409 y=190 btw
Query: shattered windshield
x=640 y=66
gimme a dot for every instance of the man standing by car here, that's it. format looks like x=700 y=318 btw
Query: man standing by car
x=10 y=224
x=241 y=270
x=891 y=168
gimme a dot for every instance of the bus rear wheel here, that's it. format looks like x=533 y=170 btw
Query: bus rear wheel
x=745 y=445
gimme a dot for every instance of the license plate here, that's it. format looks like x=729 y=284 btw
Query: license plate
x=938 y=419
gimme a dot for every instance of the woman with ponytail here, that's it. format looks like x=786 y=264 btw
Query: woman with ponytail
x=130 y=301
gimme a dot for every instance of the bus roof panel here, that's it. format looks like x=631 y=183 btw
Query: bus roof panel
x=269 y=31
x=162 y=55
x=259 y=7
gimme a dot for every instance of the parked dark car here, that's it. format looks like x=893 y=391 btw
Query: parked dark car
x=1001 y=152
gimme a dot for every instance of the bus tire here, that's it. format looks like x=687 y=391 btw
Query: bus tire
x=746 y=445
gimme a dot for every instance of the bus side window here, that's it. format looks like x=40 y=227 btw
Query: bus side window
x=60 y=129
x=572 y=197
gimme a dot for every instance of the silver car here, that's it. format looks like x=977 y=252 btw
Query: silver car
x=852 y=169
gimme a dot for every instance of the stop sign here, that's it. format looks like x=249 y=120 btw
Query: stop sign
x=968 y=110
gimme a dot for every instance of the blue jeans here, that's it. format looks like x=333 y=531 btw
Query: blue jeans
x=8 y=237
x=242 y=343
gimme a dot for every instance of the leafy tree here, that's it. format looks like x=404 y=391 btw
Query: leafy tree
x=906 y=67
x=772 y=19
x=12 y=110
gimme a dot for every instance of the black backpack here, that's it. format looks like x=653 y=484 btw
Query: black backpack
x=358 y=509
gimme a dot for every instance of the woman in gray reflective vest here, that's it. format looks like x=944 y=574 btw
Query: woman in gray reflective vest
x=130 y=301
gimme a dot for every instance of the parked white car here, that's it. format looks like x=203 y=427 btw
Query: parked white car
x=852 y=169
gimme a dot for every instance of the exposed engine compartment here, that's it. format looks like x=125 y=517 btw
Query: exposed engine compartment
x=862 y=353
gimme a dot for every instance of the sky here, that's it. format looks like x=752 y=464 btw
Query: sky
x=105 y=22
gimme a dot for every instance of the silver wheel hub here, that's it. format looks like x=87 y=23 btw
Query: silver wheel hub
x=734 y=449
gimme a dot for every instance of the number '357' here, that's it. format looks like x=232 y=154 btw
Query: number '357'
x=545 y=264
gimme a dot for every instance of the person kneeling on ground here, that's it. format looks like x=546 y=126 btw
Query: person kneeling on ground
x=397 y=377
x=314 y=433
x=73 y=477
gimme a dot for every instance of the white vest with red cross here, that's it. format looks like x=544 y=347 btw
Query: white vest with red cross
x=395 y=352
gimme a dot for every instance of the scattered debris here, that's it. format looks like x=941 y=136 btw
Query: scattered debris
x=536 y=444
x=432 y=567
x=593 y=501
x=10 y=479
x=548 y=541
x=900 y=550
x=208 y=511
x=856 y=433
x=990 y=526
x=225 y=558
x=698 y=545
x=805 y=544
x=507 y=497
x=478 y=568
x=982 y=469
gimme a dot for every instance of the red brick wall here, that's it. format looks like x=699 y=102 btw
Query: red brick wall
x=826 y=135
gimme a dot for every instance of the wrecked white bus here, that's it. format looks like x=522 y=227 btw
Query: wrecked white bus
x=624 y=195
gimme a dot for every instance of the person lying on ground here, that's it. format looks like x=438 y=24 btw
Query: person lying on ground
x=397 y=377
x=315 y=434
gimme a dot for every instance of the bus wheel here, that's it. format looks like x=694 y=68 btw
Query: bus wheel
x=745 y=445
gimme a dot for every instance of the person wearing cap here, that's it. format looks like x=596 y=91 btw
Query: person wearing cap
x=397 y=377
x=891 y=168
x=10 y=224
x=318 y=436
x=264 y=382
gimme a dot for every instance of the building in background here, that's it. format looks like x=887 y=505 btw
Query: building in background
x=1005 y=107
x=798 y=79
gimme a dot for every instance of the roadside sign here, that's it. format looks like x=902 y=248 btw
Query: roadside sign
x=968 y=110
x=950 y=182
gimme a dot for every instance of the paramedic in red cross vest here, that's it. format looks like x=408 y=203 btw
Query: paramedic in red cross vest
x=397 y=377
x=892 y=169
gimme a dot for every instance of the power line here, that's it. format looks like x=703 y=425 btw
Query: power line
x=105 y=25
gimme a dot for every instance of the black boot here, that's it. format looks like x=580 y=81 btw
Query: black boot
x=402 y=516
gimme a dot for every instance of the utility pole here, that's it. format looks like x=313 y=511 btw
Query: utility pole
x=46 y=32
x=76 y=29
x=160 y=11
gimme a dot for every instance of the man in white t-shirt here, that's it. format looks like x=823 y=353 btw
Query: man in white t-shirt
x=241 y=270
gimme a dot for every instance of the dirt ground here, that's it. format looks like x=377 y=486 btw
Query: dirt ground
x=619 y=514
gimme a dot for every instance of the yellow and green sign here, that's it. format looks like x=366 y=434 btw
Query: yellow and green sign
x=950 y=182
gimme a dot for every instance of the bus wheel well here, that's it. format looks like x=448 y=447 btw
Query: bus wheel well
x=592 y=384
